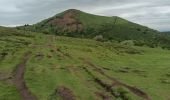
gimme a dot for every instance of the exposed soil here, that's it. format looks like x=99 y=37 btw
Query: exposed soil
x=103 y=96
x=19 y=79
x=134 y=90
x=57 y=49
x=68 y=21
x=63 y=53
x=106 y=68
x=65 y=93
x=105 y=86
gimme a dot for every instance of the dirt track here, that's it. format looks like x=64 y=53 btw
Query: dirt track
x=134 y=90
x=19 y=79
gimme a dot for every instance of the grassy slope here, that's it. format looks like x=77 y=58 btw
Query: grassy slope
x=13 y=44
x=58 y=61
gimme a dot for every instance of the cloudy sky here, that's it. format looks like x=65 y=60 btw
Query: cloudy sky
x=152 y=13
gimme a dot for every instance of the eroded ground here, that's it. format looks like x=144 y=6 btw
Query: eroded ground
x=64 y=68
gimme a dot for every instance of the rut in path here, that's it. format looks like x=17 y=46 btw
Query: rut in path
x=134 y=90
x=19 y=79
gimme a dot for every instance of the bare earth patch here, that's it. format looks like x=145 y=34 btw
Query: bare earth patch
x=68 y=22
x=65 y=93
x=19 y=79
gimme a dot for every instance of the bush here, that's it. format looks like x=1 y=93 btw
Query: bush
x=122 y=94
x=99 y=38
x=128 y=42
x=45 y=32
x=139 y=43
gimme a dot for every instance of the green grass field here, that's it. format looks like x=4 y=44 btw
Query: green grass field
x=83 y=67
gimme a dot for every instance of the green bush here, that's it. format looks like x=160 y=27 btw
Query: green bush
x=99 y=38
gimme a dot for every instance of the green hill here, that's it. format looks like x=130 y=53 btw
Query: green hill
x=75 y=23
x=38 y=66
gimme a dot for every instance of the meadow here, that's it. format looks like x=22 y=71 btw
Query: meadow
x=65 y=68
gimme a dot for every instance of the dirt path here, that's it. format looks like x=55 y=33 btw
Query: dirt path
x=19 y=79
x=134 y=90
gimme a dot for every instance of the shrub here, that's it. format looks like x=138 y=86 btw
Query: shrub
x=45 y=32
x=139 y=43
x=128 y=42
x=99 y=38
x=122 y=94
x=138 y=29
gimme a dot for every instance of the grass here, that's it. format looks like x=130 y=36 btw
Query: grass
x=8 y=92
x=60 y=61
x=148 y=67
x=13 y=44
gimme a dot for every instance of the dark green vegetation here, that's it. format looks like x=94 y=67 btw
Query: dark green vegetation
x=63 y=68
x=75 y=23
x=166 y=32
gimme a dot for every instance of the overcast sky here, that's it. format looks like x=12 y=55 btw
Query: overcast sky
x=152 y=13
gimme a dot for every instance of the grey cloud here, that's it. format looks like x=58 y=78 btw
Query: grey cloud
x=152 y=13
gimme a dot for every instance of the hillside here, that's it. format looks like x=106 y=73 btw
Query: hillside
x=36 y=66
x=75 y=23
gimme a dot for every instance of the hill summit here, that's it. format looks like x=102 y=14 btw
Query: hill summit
x=67 y=20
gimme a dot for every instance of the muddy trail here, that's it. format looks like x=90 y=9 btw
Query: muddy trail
x=134 y=90
x=19 y=79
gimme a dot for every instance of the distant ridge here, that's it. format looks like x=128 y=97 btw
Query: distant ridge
x=167 y=32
